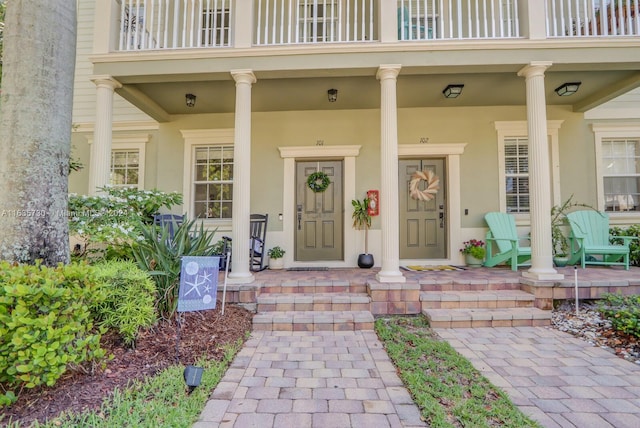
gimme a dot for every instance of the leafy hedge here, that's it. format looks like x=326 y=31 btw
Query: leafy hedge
x=623 y=312
x=45 y=324
x=129 y=302
x=634 y=230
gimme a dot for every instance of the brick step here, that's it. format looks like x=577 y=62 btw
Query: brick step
x=507 y=317
x=313 y=302
x=468 y=285
x=476 y=299
x=312 y=287
x=313 y=321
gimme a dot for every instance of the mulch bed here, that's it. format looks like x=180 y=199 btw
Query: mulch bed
x=202 y=333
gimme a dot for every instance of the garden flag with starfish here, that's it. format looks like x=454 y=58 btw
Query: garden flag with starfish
x=198 y=283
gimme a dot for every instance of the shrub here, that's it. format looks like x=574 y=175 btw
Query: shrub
x=129 y=298
x=46 y=326
x=161 y=256
x=633 y=230
x=623 y=312
x=107 y=223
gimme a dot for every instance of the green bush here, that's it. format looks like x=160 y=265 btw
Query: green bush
x=161 y=256
x=633 y=230
x=623 y=312
x=129 y=298
x=45 y=324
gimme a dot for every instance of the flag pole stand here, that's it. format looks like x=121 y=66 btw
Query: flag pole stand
x=226 y=274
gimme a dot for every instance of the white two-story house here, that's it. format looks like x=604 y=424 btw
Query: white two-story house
x=235 y=103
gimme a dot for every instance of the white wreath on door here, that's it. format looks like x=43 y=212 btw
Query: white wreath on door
x=433 y=185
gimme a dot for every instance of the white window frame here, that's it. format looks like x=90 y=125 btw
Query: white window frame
x=132 y=143
x=512 y=129
x=604 y=131
x=201 y=138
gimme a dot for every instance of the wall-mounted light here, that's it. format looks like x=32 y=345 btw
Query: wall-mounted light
x=191 y=100
x=452 y=91
x=567 y=89
x=333 y=95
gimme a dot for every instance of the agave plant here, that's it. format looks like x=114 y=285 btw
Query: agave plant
x=161 y=255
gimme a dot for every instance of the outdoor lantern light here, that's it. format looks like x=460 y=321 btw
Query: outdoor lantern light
x=191 y=100
x=567 y=89
x=192 y=377
x=452 y=91
x=333 y=95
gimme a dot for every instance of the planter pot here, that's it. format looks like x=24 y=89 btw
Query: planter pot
x=276 y=263
x=365 y=261
x=560 y=261
x=472 y=261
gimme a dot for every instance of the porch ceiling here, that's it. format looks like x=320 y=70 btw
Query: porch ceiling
x=161 y=99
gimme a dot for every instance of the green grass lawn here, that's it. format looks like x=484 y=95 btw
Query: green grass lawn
x=448 y=390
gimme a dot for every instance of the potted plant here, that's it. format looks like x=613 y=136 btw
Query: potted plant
x=362 y=220
x=276 y=260
x=474 y=252
x=559 y=242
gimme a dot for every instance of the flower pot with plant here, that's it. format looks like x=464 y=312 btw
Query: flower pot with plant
x=276 y=255
x=362 y=220
x=474 y=252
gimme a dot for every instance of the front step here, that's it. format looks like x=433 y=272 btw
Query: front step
x=476 y=299
x=281 y=302
x=313 y=321
x=499 y=317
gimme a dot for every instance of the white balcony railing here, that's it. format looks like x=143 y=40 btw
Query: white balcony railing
x=592 y=18
x=457 y=19
x=174 y=24
x=283 y=22
x=180 y=24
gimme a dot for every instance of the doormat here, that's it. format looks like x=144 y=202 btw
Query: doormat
x=423 y=268
x=304 y=269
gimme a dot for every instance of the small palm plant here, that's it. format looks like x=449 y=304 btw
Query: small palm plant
x=362 y=220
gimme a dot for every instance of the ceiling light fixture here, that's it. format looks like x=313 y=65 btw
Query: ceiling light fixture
x=333 y=95
x=191 y=100
x=567 y=89
x=452 y=91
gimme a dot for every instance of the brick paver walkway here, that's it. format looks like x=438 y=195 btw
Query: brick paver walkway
x=311 y=379
x=558 y=380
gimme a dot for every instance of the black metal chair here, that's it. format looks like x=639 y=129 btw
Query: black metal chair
x=257 y=235
x=257 y=239
x=169 y=222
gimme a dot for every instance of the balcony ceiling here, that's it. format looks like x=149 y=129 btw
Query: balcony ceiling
x=300 y=81
x=363 y=92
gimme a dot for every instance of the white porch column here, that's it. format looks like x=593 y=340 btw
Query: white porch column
x=390 y=271
x=240 y=273
x=100 y=162
x=539 y=174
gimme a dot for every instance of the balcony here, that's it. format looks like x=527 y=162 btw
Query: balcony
x=144 y=25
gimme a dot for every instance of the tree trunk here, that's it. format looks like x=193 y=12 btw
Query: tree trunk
x=35 y=129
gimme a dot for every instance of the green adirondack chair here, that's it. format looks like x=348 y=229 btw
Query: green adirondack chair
x=503 y=244
x=591 y=242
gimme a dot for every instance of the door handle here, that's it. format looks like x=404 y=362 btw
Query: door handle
x=299 y=209
x=441 y=216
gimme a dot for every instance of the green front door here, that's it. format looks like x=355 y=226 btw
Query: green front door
x=319 y=225
x=422 y=223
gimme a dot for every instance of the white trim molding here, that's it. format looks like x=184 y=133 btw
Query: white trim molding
x=612 y=130
x=518 y=128
x=348 y=154
x=201 y=137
